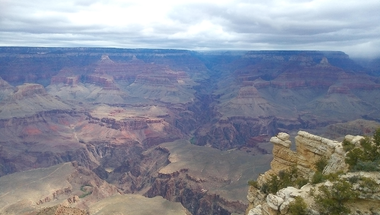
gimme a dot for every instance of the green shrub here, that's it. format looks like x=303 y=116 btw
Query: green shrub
x=253 y=183
x=301 y=181
x=333 y=176
x=354 y=179
x=376 y=137
x=353 y=157
x=321 y=164
x=264 y=188
x=331 y=200
x=367 y=166
x=298 y=207
x=318 y=177
x=370 y=151
x=347 y=145
x=274 y=184
x=285 y=178
x=369 y=183
x=366 y=158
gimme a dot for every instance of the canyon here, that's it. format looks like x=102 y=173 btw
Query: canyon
x=189 y=127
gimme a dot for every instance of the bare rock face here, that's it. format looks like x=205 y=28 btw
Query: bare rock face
x=312 y=148
x=255 y=211
x=309 y=149
x=279 y=202
x=274 y=201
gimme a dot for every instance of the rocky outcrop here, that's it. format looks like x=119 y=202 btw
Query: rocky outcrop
x=310 y=149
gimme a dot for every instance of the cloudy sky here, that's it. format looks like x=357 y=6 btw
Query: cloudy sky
x=352 y=26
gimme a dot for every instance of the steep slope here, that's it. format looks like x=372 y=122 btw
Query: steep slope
x=283 y=91
x=29 y=99
x=206 y=180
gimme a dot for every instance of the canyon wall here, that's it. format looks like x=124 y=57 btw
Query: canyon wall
x=112 y=110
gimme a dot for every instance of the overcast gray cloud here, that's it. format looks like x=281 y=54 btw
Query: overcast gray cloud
x=350 y=26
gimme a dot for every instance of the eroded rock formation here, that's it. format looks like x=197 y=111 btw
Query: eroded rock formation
x=111 y=110
x=309 y=150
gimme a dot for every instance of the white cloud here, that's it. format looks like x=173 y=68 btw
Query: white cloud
x=351 y=25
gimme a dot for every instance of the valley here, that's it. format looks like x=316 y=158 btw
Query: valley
x=174 y=128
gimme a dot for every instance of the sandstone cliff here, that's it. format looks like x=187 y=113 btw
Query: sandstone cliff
x=303 y=164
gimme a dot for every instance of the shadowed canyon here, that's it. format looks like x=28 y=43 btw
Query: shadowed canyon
x=95 y=129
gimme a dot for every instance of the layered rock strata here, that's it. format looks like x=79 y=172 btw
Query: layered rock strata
x=310 y=149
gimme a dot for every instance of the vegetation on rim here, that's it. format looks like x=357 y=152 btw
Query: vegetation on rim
x=333 y=197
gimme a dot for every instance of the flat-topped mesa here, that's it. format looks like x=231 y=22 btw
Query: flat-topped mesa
x=28 y=90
